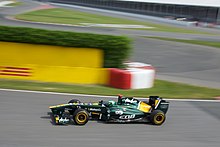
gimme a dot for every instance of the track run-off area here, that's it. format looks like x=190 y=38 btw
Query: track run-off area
x=25 y=122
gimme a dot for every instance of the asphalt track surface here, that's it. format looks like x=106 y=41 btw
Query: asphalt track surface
x=179 y=62
x=25 y=123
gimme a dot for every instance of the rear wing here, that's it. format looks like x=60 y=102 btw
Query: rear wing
x=157 y=103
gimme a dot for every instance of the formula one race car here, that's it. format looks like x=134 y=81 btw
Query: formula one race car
x=126 y=109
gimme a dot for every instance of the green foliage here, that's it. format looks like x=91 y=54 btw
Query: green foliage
x=116 y=48
x=199 y=42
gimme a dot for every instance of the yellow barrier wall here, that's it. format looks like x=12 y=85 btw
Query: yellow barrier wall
x=21 y=53
x=77 y=75
x=50 y=64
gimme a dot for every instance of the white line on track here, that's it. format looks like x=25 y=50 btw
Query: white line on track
x=99 y=96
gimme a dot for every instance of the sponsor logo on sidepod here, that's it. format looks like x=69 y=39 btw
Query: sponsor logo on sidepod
x=127 y=116
x=120 y=112
x=94 y=109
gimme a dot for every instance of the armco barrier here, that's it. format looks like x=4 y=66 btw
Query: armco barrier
x=136 y=76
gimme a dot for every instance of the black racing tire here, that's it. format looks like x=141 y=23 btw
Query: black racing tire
x=80 y=117
x=157 y=117
x=74 y=101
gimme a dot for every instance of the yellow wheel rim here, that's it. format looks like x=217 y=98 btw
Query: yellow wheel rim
x=159 y=118
x=81 y=117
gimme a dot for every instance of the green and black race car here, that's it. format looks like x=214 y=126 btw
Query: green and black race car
x=125 y=109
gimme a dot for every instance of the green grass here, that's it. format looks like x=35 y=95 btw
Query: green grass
x=15 y=4
x=64 y=16
x=198 y=42
x=161 y=88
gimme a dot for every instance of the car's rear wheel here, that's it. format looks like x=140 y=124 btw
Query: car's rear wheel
x=157 y=117
x=80 y=117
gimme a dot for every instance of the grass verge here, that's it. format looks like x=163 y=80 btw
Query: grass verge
x=64 y=16
x=198 y=42
x=15 y=4
x=161 y=88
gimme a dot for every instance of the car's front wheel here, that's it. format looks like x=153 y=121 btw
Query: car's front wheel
x=80 y=117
